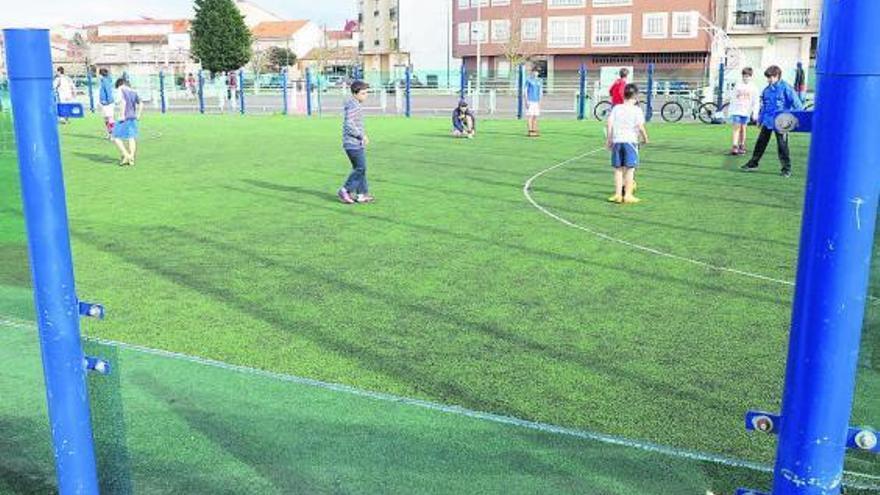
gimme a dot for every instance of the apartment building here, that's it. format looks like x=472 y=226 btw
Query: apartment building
x=773 y=32
x=300 y=36
x=141 y=46
x=560 y=35
x=400 y=33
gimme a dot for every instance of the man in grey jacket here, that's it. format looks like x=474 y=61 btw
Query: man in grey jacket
x=355 y=141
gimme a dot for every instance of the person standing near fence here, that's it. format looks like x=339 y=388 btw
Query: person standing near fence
x=231 y=87
x=534 y=90
x=745 y=104
x=65 y=90
x=355 y=142
x=618 y=89
x=191 y=86
x=800 y=82
x=777 y=98
x=128 y=112
x=105 y=95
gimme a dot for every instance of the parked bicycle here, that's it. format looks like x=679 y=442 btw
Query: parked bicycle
x=675 y=110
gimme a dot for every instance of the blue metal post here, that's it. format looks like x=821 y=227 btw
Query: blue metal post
x=241 y=102
x=520 y=86
x=582 y=93
x=162 y=91
x=408 y=94
x=719 y=98
x=650 y=106
x=201 y=92
x=91 y=89
x=309 y=92
x=29 y=64
x=284 y=81
x=839 y=219
x=463 y=81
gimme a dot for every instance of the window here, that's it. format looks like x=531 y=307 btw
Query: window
x=655 y=25
x=531 y=29
x=481 y=3
x=502 y=68
x=566 y=32
x=464 y=33
x=527 y=2
x=684 y=24
x=611 y=3
x=497 y=3
x=500 y=31
x=611 y=30
x=478 y=31
x=565 y=4
x=463 y=4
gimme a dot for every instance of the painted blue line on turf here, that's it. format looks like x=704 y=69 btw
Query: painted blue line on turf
x=456 y=410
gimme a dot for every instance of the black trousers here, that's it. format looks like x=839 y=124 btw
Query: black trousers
x=781 y=144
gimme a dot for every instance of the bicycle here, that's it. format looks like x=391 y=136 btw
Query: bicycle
x=673 y=111
x=603 y=109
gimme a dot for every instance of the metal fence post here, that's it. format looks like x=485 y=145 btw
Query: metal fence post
x=464 y=81
x=582 y=93
x=650 y=106
x=241 y=102
x=284 y=82
x=162 y=90
x=91 y=89
x=408 y=94
x=521 y=81
x=29 y=63
x=201 y=91
x=720 y=96
x=309 y=92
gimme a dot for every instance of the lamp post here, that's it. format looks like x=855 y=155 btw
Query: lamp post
x=480 y=32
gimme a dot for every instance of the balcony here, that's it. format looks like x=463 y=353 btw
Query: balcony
x=794 y=18
x=750 y=19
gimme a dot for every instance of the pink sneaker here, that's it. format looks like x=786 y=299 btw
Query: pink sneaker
x=344 y=196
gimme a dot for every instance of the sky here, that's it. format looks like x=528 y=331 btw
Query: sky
x=47 y=13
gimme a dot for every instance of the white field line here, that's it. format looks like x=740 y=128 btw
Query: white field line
x=691 y=455
x=527 y=191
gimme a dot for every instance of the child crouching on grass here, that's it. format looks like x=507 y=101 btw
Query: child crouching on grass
x=355 y=141
x=626 y=128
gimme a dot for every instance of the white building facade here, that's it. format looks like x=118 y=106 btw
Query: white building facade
x=773 y=32
x=400 y=33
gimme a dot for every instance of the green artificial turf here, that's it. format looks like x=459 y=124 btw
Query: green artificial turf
x=226 y=242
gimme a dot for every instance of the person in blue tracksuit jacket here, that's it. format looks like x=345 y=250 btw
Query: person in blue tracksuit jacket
x=779 y=97
x=108 y=103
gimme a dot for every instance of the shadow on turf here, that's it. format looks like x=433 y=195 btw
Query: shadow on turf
x=194 y=276
x=458 y=236
x=26 y=464
x=306 y=454
x=14 y=265
x=97 y=158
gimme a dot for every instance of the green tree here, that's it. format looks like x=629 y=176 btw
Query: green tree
x=221 y=40
x=280 y=58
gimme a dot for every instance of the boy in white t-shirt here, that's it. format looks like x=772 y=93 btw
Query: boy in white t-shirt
x=745 y=104
x=65 y=90
x=625 y=130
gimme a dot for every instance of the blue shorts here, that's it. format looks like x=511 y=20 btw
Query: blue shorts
x=126 y=129
x=625 y=155
x=739 y=120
